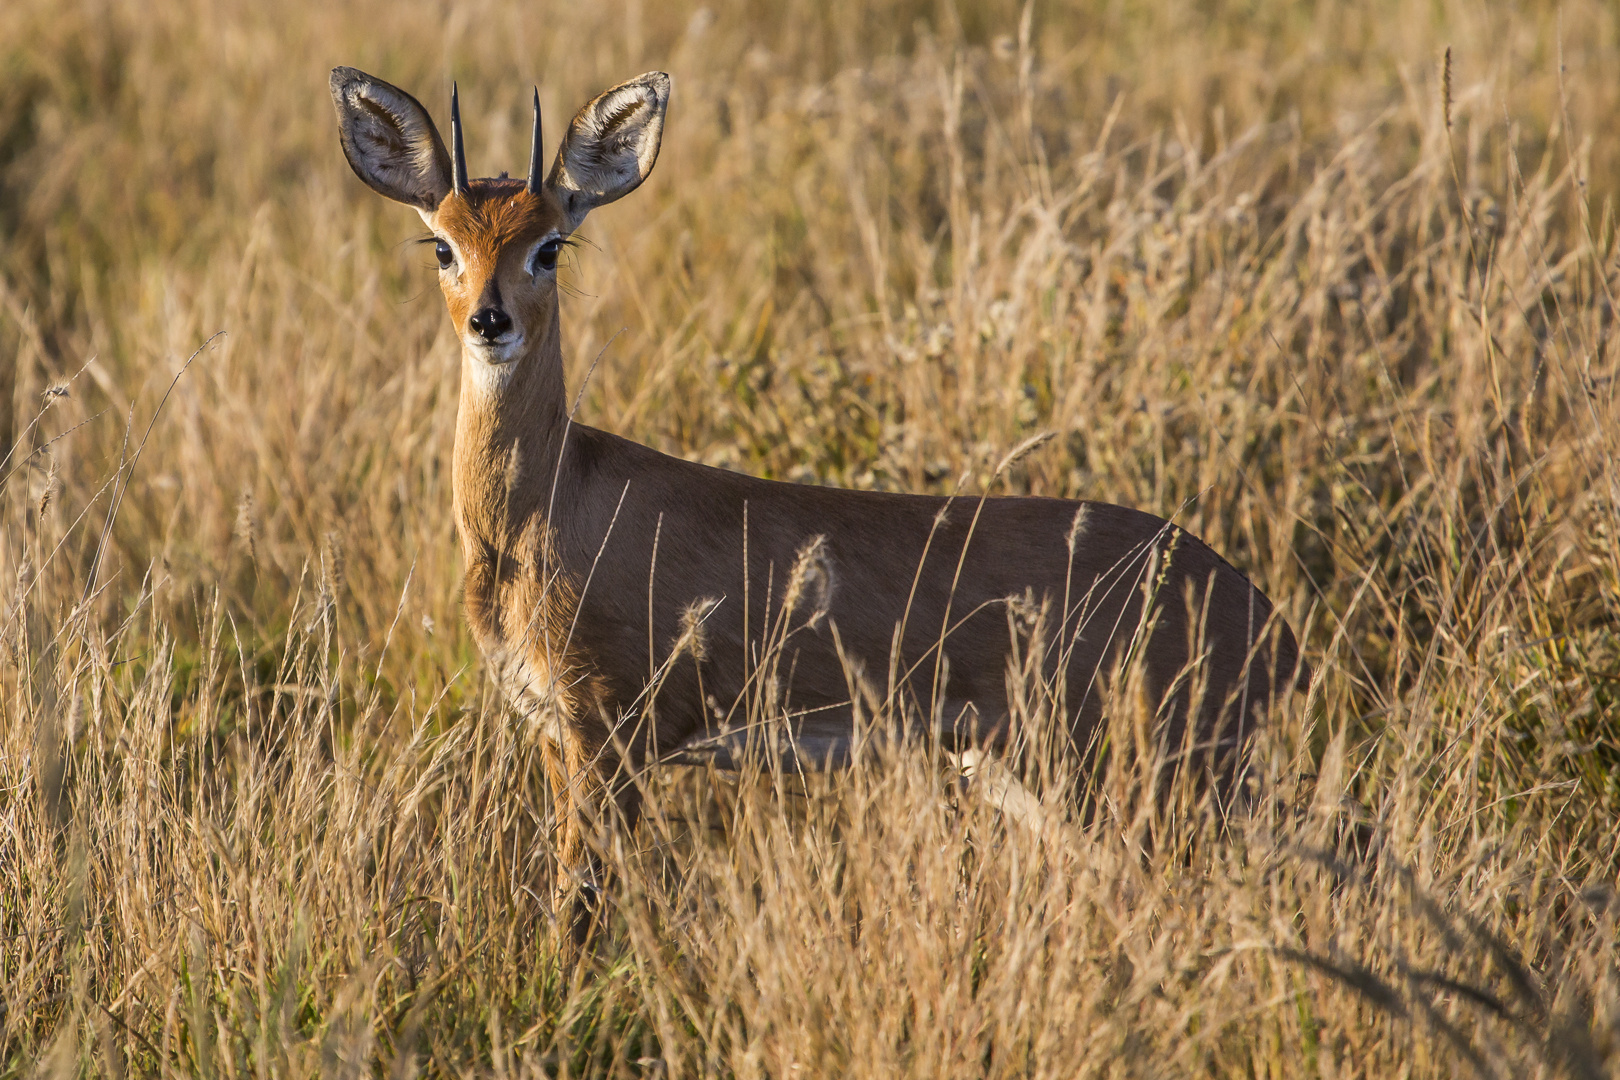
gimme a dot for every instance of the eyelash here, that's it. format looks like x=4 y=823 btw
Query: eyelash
x=440 y=250
x=545 y=256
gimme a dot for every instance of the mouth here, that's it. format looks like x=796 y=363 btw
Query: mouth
x=499 y=352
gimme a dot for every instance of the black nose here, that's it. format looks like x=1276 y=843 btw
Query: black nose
x=490 y=323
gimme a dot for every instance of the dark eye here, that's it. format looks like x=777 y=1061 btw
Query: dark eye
x=446 y=256
x=545 y=256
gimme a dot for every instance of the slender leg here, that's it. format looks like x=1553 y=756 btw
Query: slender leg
x=583 y=783
x=574 y=873
x=616 y=784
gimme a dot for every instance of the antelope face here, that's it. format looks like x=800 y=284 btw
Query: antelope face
x=497 y=241
x=497 y=249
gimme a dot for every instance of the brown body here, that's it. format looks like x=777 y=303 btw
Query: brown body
x=590 y=558
x=595 y=614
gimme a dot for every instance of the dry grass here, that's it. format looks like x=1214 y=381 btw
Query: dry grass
x=260 y=812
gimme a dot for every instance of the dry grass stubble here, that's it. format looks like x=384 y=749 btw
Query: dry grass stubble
x=260 y=813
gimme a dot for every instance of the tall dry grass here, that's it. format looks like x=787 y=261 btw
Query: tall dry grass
x=1256 y=266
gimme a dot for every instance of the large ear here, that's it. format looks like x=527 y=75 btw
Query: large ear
x=611 y=146
x=390 y=140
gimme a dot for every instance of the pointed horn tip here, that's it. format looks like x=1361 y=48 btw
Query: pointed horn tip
x=458 y=161
x=532 y=185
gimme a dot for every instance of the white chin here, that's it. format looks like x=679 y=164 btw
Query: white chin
x=499 y=354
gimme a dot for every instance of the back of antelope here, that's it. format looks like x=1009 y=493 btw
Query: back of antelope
x=625 y=597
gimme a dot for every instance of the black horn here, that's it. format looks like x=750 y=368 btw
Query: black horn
x=533 y=186
x=457 y=151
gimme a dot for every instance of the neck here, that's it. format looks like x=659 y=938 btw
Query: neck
x=509 y=431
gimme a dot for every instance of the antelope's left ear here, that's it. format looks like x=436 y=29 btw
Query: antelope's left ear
x=610 y=146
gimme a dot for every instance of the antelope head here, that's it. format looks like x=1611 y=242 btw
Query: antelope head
x=497 y=240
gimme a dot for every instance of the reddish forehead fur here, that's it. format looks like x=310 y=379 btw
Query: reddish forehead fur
x=495 y=214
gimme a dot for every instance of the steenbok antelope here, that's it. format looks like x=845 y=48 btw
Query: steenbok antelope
x=591 y=561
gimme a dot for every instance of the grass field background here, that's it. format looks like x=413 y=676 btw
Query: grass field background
x=1283 y=271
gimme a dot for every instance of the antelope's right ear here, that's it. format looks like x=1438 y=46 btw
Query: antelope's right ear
x=390 y=140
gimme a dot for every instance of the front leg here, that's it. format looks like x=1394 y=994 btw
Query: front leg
x=583 y=781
